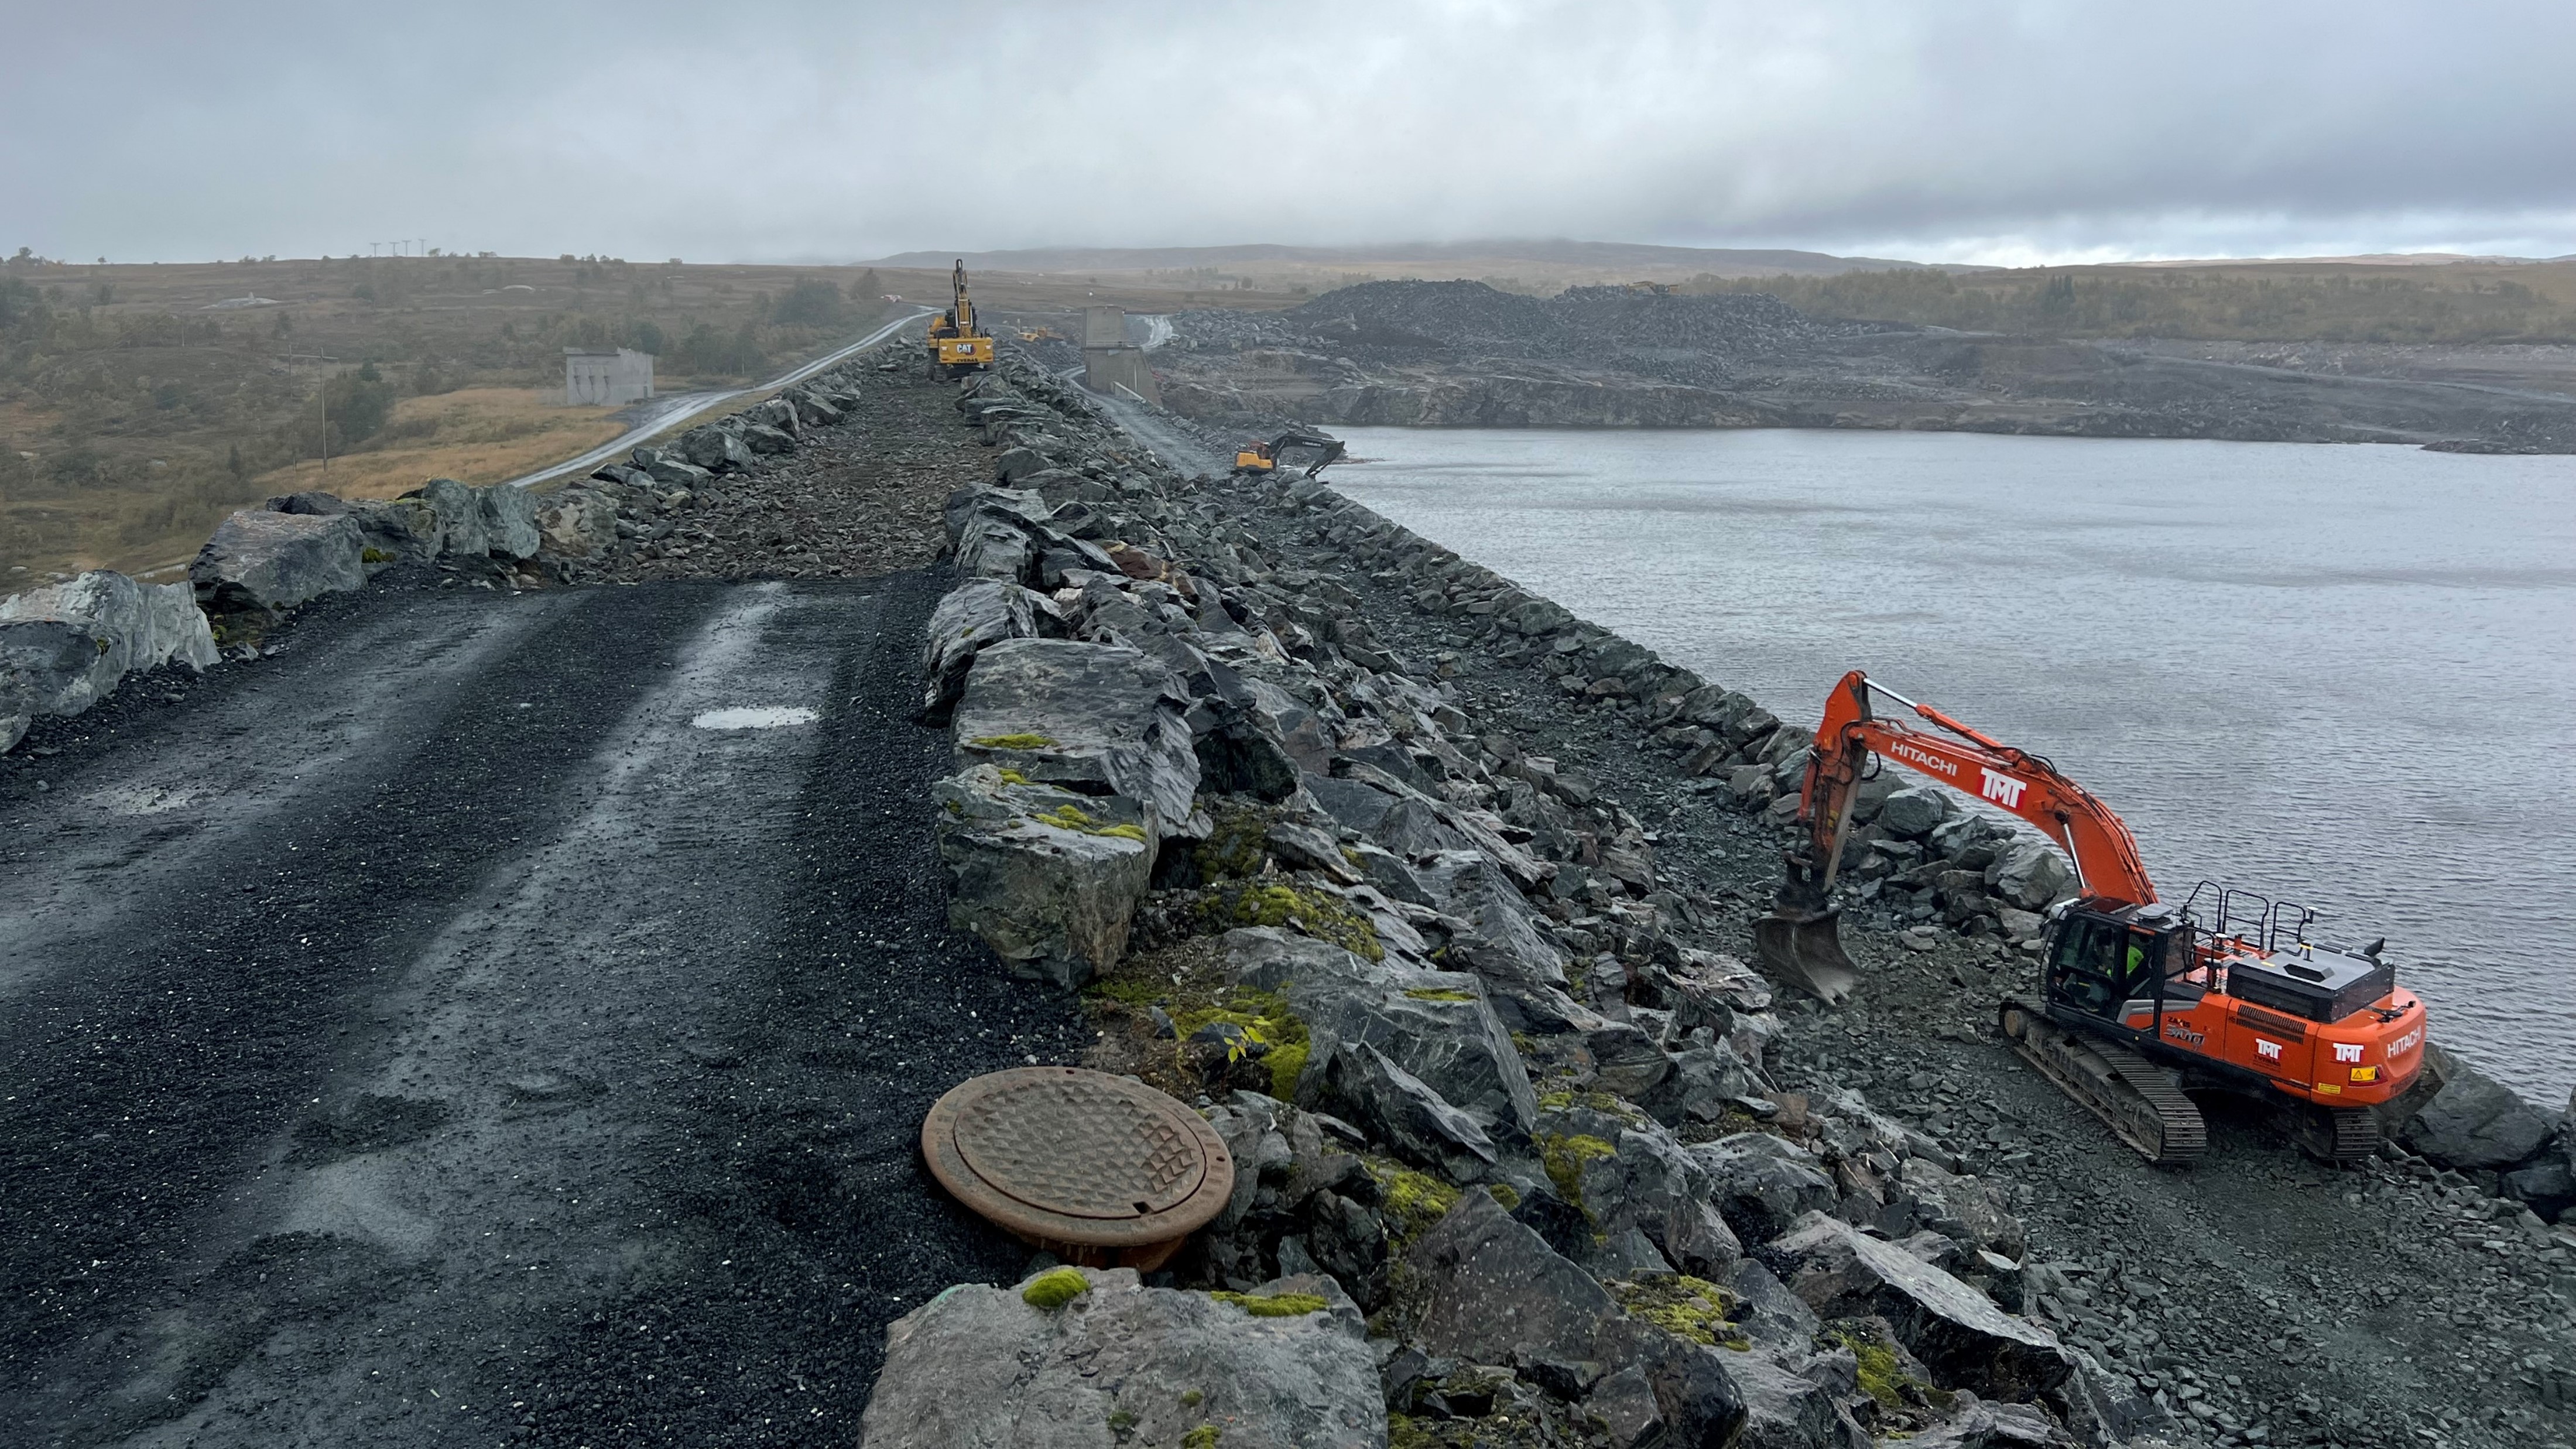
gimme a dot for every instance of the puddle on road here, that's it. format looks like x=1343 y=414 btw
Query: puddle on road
x=144 y=799
x=754 y=717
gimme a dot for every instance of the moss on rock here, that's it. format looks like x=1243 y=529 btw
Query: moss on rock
x=1564 y=1154
x=1678 y=1303
x=1275 y=1305
x=1011 y=742
x=1055 y=1288
x=1278 y=903
x=1410 y=1201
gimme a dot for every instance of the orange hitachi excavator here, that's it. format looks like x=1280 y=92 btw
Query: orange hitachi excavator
x=2138 y=1000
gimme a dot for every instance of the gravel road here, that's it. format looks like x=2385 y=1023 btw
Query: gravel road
x=434 y=1035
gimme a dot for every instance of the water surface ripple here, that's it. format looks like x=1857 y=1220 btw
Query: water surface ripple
x=2340 y=675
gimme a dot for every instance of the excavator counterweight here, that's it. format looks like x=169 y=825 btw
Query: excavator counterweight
x=2140 y=1001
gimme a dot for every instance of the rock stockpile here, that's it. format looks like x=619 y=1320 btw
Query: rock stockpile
x=1463 y=354
x=1476 y=1066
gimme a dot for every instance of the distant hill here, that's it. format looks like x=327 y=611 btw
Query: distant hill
x=1549 y=256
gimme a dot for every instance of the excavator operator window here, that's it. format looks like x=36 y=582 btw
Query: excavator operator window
x=2088 y=967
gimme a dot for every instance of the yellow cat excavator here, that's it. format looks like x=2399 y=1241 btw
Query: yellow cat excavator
x=957 y=345
x=1256 y=459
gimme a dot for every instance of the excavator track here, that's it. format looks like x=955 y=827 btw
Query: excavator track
x=2142 y=1103
x=2335 y=1134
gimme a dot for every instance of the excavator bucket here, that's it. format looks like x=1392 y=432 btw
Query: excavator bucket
x=1805 y=949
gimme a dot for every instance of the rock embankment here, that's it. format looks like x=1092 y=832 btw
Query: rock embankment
x=1485 y=1057
x=1302 y=889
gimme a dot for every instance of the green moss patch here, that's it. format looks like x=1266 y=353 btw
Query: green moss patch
x=1564 y=1154
x=1055 y=1288
x=1436 y=993
x=1075 y=818
x=1678 y=1303
x=1882 y=1372
x=1202 y=1437
x=1276 y=1305
x=1411 y=1201
x=1263 y=1017
x=1278 y=903
x=1011 y=742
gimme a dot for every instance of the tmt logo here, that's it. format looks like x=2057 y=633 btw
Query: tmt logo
x=2347 y=1051
x=2004 y=790
x=2270 y=1050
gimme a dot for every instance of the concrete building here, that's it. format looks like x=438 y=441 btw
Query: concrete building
x=606 y=377
x=1111 y=363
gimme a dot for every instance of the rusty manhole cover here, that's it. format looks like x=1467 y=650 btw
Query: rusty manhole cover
x=1094 y=1168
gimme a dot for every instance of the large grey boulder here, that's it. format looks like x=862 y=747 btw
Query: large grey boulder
x=1436 y=1025
x=266 y=562
x=1502 y=942
x=1914 y=812
x=1046 y=877
x=972 y=615
x=1494 y=1289
x=2474 y=1121
x=713 y=448
x=1762 y=1184
x=2031 y=874
x=1702 y=1083
x=1358 y=1082
x=1795 y=1400
x=1961 y=1207
x=1955 y=1330
x=1650 y=1184
x=1013 y=464
x=980 y=1367
x=509 y=521
x=576 y=523
x=675 y=472
x=65 y=646
x=1085 y=716
x=404 y=530
x=762 y=438
x=459 y=511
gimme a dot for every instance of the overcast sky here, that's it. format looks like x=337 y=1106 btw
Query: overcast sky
x=1976 y=130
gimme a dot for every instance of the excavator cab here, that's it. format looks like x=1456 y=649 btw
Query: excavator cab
x=2104 y=960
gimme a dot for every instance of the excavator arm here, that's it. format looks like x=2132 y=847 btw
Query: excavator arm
x=1801 y=938
x=962 y=307
x=2014 y=780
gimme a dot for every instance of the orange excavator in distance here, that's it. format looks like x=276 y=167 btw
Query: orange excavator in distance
x=2139 y=1001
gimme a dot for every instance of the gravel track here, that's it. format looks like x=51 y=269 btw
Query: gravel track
x=428 y=1035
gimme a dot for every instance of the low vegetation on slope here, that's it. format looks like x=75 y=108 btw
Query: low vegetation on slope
x=140 y=403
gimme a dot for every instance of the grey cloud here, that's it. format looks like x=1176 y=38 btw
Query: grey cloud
x=834 y=131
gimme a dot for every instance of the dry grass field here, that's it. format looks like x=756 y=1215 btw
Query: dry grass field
x=140 y=403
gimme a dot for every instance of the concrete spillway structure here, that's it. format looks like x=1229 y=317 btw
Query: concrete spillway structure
x=1110 y=363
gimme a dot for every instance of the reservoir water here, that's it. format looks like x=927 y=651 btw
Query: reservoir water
x=2341 y=675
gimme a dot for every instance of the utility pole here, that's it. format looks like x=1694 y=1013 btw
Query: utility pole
x=325 y=395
